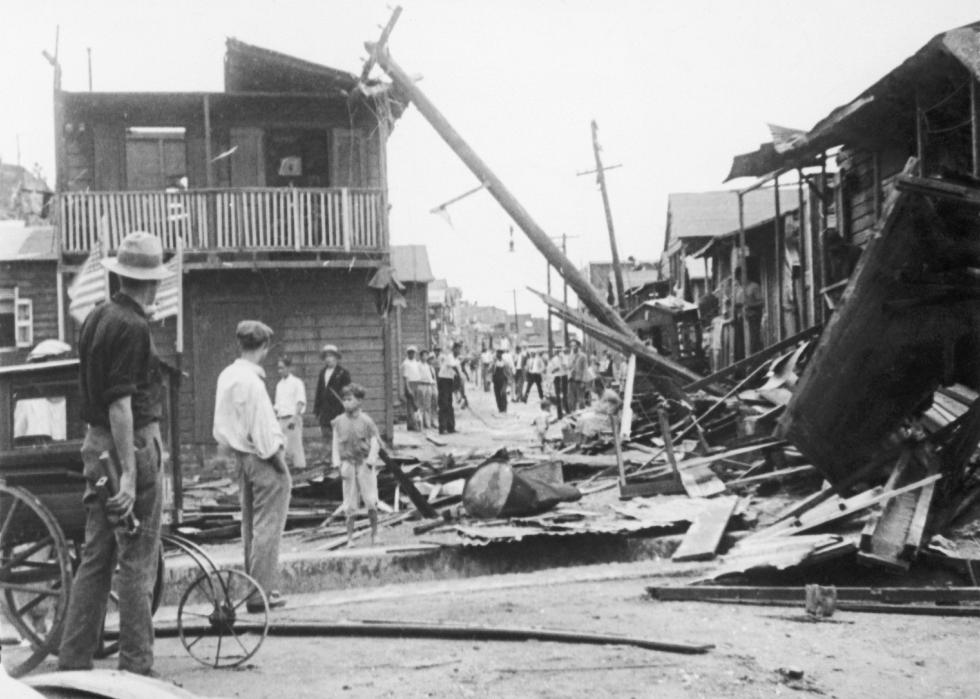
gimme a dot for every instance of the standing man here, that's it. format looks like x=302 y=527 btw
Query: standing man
x=290 y=405
x=412 y=388
x=428 y=390
x=747 y=297
x=502 y=375
x=535 y=370
x=559 y=379
x=486 y=365
x=121 y=393
x=326 y=402
x=246 y=430
x=449 y=373
x=577 y=378
x=520 y=361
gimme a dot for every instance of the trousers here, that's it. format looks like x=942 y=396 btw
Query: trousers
x=578 y=394
x=107 y=546
x=533 y=379
x=295 y=455
x=264 y=494
x=447 y=419
x=500 y=393
x=561 y=395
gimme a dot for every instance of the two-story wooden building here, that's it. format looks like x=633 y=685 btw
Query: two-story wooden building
x=276 y=187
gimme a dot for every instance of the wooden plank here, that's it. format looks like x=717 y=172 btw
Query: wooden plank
x=781 y=474
x=837 y=509
x=917 y=528
x=704 y=535
x=883 y=595
x=755 y=359
x=701 y=482
x=711 y=458
x=627 y=423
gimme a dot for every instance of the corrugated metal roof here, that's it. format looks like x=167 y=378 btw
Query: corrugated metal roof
x=710 y=214
x=411 y=263
x=19 y=242
x=874 y=106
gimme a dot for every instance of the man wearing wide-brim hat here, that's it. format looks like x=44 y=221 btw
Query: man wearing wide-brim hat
x=327 y=403
x=121 y=390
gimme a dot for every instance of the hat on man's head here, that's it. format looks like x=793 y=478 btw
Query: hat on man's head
x=252 y=334
x=411 y=348
x=140 y=256
x=330 y=349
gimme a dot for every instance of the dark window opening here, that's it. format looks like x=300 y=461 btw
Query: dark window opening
x=296 y=158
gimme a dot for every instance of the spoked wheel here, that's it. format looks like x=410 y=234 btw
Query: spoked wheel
x=35 y=577
x=212 y=613
x=111 y=621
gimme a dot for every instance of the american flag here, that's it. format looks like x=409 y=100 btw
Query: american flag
x=89 y=286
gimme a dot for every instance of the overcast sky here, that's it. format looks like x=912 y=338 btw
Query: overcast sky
x=678 y=88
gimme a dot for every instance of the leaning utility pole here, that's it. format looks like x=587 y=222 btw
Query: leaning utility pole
x=589 y=296
x=601 y=179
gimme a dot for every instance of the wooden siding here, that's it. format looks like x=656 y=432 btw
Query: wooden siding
x=411 y=328
x=306 y=309
x=95 y=145
x=415 y=317
x=35 y=281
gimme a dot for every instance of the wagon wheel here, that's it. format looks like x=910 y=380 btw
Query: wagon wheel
x=209 y=611
x=107 y=648
x=35 y=577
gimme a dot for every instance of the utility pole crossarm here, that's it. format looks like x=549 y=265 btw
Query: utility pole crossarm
x=589 y=296
x=601 y=179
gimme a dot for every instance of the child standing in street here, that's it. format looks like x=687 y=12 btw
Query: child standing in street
x=541 y=422
x=355 y=440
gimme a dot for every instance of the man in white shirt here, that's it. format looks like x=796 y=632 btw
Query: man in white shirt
x=535 y=372
x=558 y=371
x=446 y=380
x=290 y=405
x=412 y=388
x=247 y=431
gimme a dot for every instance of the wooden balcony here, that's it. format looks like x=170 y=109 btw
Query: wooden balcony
x=229 y=220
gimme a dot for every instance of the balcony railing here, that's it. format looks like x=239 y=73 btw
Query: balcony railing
x=240 y=219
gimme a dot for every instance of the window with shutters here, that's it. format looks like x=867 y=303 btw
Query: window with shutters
x=16 y=320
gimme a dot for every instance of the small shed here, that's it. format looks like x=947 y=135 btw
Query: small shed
x=29 y=288
x=411 y=264
x=672 y=326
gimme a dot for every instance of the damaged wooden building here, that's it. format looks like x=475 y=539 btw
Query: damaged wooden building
x=275 y=187
x=889 y=255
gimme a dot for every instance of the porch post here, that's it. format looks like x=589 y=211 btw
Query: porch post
x=780 y=262
x=745 y=274
x=975 y=124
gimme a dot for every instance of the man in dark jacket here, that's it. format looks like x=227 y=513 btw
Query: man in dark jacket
x=327 y=404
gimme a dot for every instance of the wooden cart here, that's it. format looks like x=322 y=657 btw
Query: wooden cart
x=42 y=530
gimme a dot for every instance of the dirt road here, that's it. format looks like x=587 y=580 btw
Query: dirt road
x=850 y=656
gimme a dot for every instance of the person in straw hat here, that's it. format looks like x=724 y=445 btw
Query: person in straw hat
x=121 y=401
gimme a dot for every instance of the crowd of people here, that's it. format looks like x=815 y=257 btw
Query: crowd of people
x=569 y=379
x=260 y=435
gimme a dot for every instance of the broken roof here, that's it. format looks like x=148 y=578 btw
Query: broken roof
x=20 y=243
x=866 y=112
x=710 y=214
x=411 y=263
x=250 y=68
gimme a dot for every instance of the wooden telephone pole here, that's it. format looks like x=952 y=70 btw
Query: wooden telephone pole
x=600 y=176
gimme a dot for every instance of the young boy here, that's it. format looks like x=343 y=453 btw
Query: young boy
x=355 y=438
x=541 y=422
